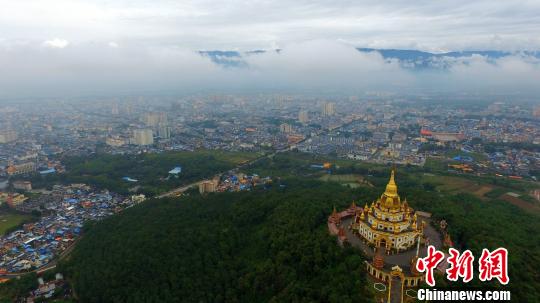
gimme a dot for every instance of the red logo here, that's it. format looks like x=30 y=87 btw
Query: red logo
x=491 y=265
x=430 y=262
x=494 y=265
x=460 y=266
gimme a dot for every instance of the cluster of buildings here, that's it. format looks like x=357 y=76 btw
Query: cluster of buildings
x=17 y=158
x=13 y=200
x=503 y=137
x=377 y=128
x=65 y=209
x=47 y=290
x=233 y=182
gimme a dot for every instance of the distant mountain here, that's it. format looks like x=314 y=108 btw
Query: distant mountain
x=424 y=60
x=410 y=59
x=231 y=58
x=405 y=54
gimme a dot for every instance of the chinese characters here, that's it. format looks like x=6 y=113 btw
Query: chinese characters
x=490 y=265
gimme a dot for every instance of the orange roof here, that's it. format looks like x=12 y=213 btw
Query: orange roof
x=425 y=132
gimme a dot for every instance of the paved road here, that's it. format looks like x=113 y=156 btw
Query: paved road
x=178 y=190
x=396 y=291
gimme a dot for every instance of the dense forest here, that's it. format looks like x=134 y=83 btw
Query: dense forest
x=263 y=246
x=150 y=170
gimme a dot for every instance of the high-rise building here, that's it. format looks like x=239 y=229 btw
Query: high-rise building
x=143 y=136
x=285 y=128
x=303 y=116
x=115 y=110
x=208 y=186
x=328 y=109
x=536 y=111
x=164 y=131
x=128 y=109
x=154 y=119
x=7 y=136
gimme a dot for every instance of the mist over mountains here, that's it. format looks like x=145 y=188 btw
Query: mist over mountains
x=409 y=59
x=312 y=66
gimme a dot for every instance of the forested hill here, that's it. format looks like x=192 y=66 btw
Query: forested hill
x=264 y=246
x=273 y=245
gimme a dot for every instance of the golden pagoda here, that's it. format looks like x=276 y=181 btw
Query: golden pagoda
x=389 y=222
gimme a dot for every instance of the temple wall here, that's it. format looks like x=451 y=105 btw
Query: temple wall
x=401 y=241
x=381 y=275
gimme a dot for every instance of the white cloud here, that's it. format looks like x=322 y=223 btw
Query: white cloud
x=326 y=64
x=319 y=65
x=56 y=43
x=201 y=24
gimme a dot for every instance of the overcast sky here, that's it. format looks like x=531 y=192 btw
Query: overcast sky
x=118 y=44
x=429 y=25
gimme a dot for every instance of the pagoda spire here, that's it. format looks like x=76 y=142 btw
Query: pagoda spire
x=391 y=187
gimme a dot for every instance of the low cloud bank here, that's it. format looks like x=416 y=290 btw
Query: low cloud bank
x=57 y=67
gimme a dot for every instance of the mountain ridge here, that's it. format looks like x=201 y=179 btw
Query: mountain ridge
x=407 y=58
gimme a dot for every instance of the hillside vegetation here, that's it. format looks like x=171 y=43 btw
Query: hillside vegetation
x=267 y=246
x=273 y=245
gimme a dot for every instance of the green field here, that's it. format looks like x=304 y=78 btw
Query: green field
x=351 y=180
x=8 y=221
x=485 y=188
x=458 y=184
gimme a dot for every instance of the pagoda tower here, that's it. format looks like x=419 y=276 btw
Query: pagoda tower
x=388 y=222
